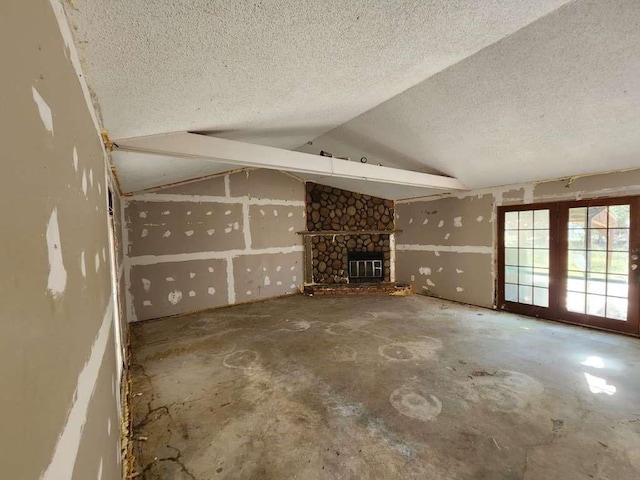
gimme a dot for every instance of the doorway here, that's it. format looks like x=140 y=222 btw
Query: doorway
x=575 y=262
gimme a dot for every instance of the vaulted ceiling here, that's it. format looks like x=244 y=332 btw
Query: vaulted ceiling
x=491 y=92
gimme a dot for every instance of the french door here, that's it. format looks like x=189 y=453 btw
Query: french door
x=575 y=262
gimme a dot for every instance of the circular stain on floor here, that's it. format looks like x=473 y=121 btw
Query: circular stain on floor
x=419 y=405
x=337 y=329
x=504 y=390
x=343 y=353
x=423 y=349
x=300 y=326
x=396 y=352
x=240 y=359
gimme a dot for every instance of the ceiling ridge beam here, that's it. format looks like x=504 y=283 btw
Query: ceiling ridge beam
x=193 y=145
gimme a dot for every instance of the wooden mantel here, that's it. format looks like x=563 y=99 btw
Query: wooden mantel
x=346 y=232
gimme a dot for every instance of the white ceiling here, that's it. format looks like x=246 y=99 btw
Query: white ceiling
x=503 y=90
x=141 y=171
x=276 y=72
x=558 y=98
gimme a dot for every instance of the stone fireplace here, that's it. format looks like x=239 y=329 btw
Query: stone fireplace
x=349 y=237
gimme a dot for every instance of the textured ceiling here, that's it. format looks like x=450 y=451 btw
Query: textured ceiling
x=278 y=72
x=491 y=92
x=560 y=97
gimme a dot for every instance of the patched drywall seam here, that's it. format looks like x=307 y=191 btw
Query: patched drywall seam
x=445 y=248
x=60 y=231
x=131 y=313
x=392 y=258
x=257 y=218
x=68 y=444
x=44 y=110
x=467 y=226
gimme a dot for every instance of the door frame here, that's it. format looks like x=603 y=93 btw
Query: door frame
x=558 y=258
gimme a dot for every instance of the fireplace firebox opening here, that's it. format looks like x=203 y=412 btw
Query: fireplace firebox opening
x=365 y=267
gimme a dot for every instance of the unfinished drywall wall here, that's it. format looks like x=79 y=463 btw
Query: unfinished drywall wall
x=220 y=241
x=59 y=401
x=447 y=247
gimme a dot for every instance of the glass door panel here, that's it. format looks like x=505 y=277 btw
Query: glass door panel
x=597 y=275
x=572 y=261
x=526 y=257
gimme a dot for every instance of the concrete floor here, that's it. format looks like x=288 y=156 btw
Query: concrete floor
x=382 y=388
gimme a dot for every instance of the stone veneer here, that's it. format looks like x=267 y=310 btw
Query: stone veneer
x=334 y=210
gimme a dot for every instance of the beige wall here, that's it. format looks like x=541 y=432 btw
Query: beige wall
x=59 y=399
x=447 y=245
x=225 y=240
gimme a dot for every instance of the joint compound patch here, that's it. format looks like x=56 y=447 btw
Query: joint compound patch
x=75 y=158
x=415 y=403
x=44 y=110
x=146 y=284
x=457 y=222
x=83 y=265
x=84 y=182
x=424 y=271
x=174 y=297
x=57 y=280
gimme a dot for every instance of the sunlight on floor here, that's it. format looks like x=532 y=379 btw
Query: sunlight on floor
x=595 y=362
x=599 y=385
